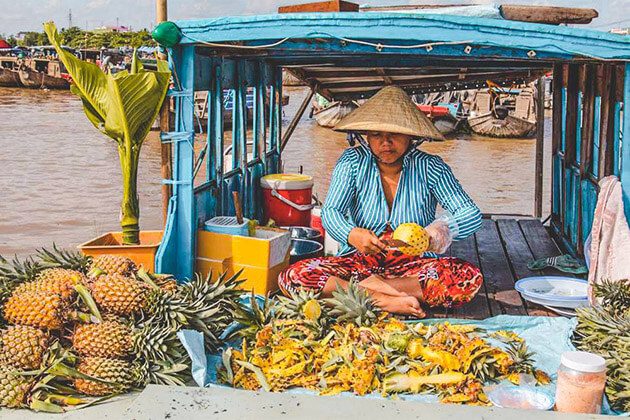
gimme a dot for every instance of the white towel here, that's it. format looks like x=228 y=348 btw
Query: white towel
x=610 y=236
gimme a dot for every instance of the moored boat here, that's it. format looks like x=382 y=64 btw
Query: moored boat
x=8 y=76
x=39 y=73
x=495 y=115
x=332 y=113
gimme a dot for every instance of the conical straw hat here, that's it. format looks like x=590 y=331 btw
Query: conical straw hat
x=390 y=110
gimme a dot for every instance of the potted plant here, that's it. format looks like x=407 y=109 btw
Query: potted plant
x=122 y=106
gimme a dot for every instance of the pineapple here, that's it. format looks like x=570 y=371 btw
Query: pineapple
x=118 y=376
x=119 y=295
x=300 y=304
x=108 y=339
x=14 y=388
x=36 y=309
x=23 y=347
x=415 y=235
x=54 y=280
x=113 y=264
x=114 y=340
x=352 y=305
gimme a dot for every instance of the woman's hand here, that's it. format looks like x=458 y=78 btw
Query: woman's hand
x=440 y=236
x=365 y=241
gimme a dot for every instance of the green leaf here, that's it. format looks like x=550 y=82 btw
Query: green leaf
x=123 y=106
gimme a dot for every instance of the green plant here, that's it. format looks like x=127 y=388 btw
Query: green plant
x=123 y=106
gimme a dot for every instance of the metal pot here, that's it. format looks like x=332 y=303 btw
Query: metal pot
x=303 y=249
x=301 y=232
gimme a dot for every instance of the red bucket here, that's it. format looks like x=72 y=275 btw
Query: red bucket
x=287 y=199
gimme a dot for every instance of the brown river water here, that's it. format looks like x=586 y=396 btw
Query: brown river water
x=60 y=177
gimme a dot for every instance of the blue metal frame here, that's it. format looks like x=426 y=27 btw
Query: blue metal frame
x=625 y=150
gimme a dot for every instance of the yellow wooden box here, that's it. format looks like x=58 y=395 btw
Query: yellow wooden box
x=261 y=257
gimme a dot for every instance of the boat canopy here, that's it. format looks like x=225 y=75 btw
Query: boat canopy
x=345 y=56
x=352 y=55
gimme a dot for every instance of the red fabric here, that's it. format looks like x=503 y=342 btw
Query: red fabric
x=4 y=44
x=446 y=282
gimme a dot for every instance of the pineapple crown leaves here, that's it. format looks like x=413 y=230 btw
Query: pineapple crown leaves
x=252 y=318
x=291 y=307
x=59 y=258
x=353 y=304
x=521 y=356
x=614 y=295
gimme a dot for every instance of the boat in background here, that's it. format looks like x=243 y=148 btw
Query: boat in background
x=43 y=73
x=498 y=112
x=445 y=109
x=9 y=76
x=328 y=114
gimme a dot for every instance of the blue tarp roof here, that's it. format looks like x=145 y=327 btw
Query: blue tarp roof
x=389 y=27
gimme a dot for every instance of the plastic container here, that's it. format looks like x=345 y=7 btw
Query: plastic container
x=227 y=225
x=301 y=232
x=581 y=382
x=287 y=199
x=303 y=249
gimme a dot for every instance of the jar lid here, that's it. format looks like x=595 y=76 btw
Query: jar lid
x=287 y=181
x=583 y=361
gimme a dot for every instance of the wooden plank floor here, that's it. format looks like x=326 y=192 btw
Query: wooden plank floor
x=502 y=248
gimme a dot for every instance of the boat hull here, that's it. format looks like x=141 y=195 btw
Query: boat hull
x=9 y=78
x=488 y=125
x=38 y=80
x=446 y=124
x=333 y=113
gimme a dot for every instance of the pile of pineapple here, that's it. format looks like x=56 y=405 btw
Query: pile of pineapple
x=343 y=344
x=76 y=327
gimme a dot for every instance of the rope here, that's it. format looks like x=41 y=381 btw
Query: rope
x=378 y=46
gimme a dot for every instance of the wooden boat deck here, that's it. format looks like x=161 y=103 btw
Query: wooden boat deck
x=502 y=248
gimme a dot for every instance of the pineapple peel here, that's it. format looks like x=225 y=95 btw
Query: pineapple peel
x=388 y=356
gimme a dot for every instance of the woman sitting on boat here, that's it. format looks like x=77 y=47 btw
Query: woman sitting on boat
x=379 y=185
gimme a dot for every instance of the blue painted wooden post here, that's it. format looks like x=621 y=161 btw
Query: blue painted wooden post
x=176 y=254
x=217 y=141
x=625 y=148
x=241 y=110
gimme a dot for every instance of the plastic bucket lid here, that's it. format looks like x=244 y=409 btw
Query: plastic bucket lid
x=287 y=181
x=583 y=361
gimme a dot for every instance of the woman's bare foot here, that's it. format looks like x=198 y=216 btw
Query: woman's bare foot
x=378 y=284
x=404 y=305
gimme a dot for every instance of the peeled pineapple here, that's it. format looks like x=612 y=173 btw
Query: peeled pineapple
x=23 y=347
x=413 y=234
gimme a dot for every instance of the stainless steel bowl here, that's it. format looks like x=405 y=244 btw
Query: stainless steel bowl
x=302 y=249
x=301 y=232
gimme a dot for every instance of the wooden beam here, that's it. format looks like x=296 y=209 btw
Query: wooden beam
x=548 y=14
x=296 y=119
x=556 y=143
x=322 y=6
x=540 y=142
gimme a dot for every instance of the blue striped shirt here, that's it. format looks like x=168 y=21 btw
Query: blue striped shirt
x=356 y=198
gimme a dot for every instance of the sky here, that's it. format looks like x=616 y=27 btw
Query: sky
x=28 y=15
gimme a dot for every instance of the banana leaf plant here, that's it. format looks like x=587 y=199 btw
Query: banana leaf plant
x=123 y=106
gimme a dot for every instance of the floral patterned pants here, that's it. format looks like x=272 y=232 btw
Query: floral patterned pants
x=446 y=282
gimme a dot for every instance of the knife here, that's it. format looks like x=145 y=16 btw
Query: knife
x=395 y=243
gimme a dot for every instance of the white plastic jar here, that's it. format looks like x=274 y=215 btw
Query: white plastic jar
x=581 y=382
